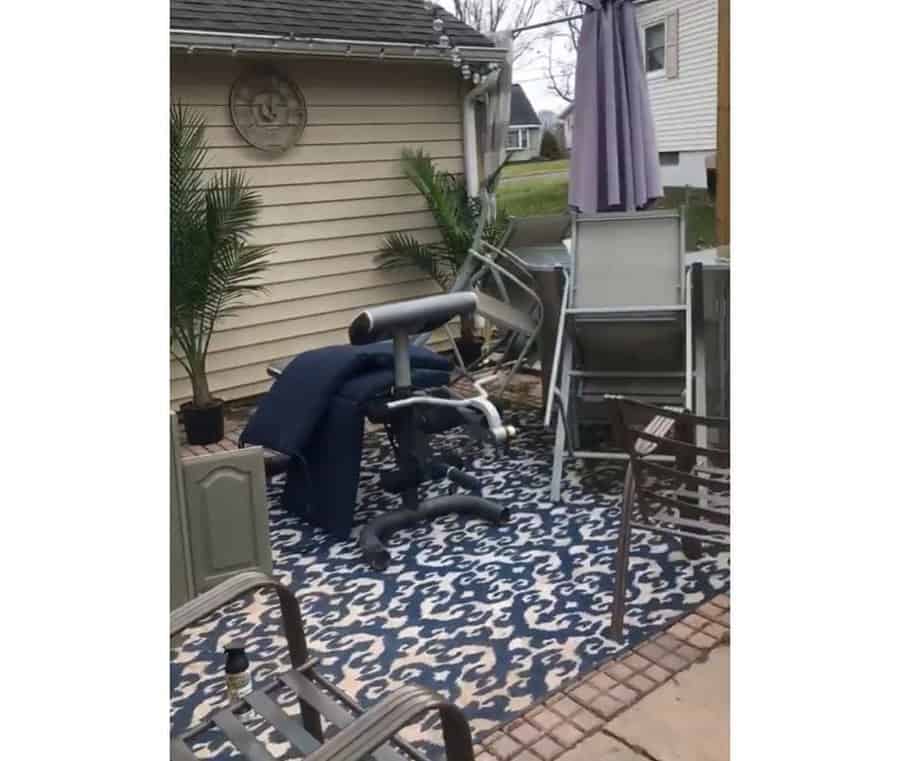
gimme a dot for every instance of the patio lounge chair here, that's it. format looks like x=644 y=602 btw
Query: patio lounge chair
x=362 y=734
x=625 y=326
x=689 y=499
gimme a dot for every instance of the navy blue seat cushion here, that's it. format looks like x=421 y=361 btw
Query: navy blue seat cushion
x=327 y=497
x=315 y=413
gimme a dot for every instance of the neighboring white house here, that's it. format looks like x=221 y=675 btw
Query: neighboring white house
x=679 y=39
x=679 y=46
x=524 y=136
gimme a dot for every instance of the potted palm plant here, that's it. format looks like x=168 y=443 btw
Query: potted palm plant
x=457 y=217
x=212 y=265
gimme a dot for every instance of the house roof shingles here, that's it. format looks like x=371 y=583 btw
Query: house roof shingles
x=400 y=21
x=521 y=112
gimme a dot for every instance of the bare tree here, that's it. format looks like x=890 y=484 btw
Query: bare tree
x=491 y=15
x=562 y=49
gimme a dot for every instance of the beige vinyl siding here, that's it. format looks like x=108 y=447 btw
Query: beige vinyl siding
x=327 y=203
x=684 y=107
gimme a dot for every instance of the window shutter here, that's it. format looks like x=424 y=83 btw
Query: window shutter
x=672 y=45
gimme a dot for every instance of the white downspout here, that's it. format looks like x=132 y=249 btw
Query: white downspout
x=470 y=138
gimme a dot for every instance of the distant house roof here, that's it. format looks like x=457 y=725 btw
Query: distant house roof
x=390 y=21
x=566 y=111
x=521 y=112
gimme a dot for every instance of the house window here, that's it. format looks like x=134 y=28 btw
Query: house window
x=655 y=47
x=517 y=139
x=668 y=158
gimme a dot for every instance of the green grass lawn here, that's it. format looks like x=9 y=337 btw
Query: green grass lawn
x=535 y=167
x=551 y=196
x=537 y=196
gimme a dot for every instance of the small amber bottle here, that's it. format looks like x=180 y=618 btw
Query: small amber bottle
x=237 y=672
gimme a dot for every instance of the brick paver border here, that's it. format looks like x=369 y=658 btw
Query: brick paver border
x=569 y=715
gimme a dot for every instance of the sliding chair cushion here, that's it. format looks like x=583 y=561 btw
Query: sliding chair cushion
x=628 y=259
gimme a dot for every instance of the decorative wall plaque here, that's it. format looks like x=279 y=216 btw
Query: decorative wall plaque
x=268 y=110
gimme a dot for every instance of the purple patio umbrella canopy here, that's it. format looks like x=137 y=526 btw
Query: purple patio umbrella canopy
x=615 y=164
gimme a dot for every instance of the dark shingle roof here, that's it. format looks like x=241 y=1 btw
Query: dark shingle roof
x=520 y=108
x=402 y=21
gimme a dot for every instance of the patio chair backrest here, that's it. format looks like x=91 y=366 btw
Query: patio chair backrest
x=543 y=230
x=628 y=259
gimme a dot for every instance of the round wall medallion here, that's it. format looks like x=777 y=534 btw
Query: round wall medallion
x=268 y=110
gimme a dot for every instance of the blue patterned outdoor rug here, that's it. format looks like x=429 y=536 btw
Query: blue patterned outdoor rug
x=494 y=617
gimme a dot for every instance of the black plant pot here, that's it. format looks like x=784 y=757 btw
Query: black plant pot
x=204 y=425
x=469 y=350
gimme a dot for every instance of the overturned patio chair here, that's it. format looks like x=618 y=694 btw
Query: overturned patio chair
x=689 y=499
x=361 y=734
x=625 y=326
x=508 y=301
x=517 y=308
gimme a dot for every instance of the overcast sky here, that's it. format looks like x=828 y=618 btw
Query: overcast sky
x=531 y=70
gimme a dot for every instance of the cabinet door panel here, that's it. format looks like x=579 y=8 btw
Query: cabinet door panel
x=227 y=515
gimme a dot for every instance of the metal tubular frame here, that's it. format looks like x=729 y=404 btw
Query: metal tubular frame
x=476 y=267
x=559 y=394
x=682 y=509
x=361 y=733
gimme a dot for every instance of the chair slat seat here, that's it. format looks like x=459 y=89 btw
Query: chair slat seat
x=678 y=504
x=330 y=709
x=711 y=538
x=242 y=739
x=289 y=726
x=362 y=735
x=668 y=516
x=660 y=426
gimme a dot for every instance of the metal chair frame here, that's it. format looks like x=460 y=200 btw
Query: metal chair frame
x=689 y=499
x=522 y=328
x=568 y=381
x=361 y=735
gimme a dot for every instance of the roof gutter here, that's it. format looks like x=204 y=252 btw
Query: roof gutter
x=225 y=42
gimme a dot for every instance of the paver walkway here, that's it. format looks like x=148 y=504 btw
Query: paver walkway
x=684 y=720
x=666 y=700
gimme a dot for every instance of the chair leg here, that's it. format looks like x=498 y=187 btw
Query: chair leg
x=622 y=553
x=559 y=445
x=692 y=547
x=559 y=457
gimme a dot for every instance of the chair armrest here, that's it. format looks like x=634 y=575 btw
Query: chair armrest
x=236 y=586
x=380 y=723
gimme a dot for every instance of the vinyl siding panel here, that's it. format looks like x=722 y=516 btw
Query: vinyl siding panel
x=327 y=203
x=684 y=107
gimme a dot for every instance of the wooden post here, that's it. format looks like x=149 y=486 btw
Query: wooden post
x=723 y=127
